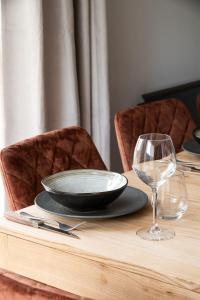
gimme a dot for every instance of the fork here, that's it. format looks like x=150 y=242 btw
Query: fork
x=53 y=222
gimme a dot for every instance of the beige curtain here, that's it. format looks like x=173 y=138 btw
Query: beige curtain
x=54 y=69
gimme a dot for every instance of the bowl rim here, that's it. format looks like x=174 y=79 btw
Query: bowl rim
x=51 y=190
x=193 y=132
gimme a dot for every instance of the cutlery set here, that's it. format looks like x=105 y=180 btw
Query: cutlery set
x=62 y=226
x=43 y=223
x=189 y=166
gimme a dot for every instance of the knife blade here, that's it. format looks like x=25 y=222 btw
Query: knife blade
x=15 y=217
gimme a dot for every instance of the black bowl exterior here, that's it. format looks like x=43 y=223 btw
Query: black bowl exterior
x=197 y=139
x=86 y=202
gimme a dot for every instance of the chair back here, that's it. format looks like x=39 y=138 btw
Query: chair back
x=25 y=163
x=169 y=116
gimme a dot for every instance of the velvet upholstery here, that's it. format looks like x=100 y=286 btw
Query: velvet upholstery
x=169 y=116
x=17 y=287
x=25 y=163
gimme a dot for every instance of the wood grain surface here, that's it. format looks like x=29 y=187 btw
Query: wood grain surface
x=110 y=261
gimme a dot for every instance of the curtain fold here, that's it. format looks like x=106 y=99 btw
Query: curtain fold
x=54 y=69
x=60 y=69
x=22 y=51
x=92 y=64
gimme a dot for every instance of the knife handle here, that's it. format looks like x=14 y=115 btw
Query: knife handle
x=15 y=217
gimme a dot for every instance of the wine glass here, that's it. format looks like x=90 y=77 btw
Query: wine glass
x=154 y=162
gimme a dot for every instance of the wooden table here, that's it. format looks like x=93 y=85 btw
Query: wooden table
x=110 y=261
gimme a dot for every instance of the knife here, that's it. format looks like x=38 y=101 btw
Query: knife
x=15 y=217
x=188 y=164
x=60 y=225
x=186 y=167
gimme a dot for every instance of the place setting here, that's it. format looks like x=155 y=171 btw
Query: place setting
x=90 y=194
x=86 y=194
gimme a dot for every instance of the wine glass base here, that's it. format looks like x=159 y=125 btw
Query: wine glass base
x=157 y=235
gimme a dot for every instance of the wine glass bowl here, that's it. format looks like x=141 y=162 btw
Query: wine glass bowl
x=154 y=162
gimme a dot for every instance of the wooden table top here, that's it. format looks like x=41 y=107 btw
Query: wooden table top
x=112 y=254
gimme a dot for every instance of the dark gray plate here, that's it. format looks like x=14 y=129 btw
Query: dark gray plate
x=131 y=200
x=192 y=146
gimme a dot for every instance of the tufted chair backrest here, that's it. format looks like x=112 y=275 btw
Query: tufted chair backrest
x=169 y=116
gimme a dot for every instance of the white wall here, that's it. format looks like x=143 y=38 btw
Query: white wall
x=153 y=44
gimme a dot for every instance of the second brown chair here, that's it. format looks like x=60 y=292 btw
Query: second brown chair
x=169 y=116
x=24 y=164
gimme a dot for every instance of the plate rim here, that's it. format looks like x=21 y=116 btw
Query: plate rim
x=100 y=216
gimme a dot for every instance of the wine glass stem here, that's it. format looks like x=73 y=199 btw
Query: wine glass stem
x=154 y=227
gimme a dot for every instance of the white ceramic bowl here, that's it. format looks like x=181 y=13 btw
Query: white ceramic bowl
x=85 y=189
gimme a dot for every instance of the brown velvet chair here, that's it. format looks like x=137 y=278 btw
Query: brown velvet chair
x=25 y=163
x=169 y=116
x=17 y=287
